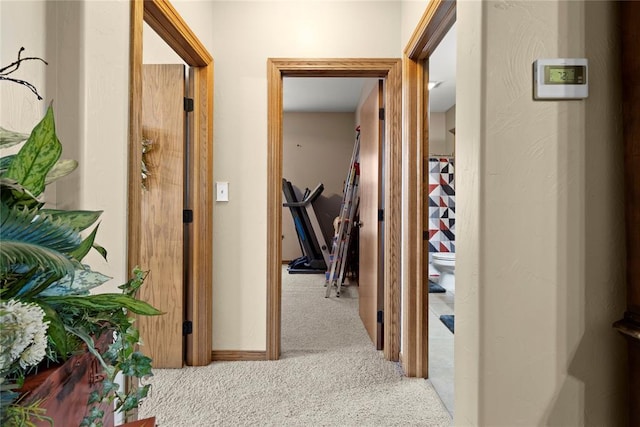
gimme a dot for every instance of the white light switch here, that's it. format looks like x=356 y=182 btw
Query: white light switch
x=222 y=191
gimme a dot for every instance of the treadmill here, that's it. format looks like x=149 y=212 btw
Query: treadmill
x=315 y=252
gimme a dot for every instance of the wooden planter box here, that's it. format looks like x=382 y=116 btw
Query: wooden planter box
x=63 y=391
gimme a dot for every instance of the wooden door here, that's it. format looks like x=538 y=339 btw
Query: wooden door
x=162 y=240
x=370 y=276
x=629 y=325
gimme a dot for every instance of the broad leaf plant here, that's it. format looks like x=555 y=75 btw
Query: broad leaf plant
x=43 y=281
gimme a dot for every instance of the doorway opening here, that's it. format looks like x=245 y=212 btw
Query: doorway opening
x=390 y=71
x=442 y=215
x=167 y=23
x=330 y=126
x=436 y=21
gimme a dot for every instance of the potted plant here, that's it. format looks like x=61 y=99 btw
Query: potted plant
x=48 y=315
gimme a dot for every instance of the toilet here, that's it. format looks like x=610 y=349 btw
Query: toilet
x=445 y=264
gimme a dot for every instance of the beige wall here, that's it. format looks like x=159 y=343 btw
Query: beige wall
x=242 y=36
x=317 y=148
x=441 y=141
x=411 y=12
x=437 y=137
x=87 y=47
x=540 y=272
x=19 y=108
x=450 y=123
x=156 y=50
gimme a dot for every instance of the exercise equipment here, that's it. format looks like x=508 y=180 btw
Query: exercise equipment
x=315 y=252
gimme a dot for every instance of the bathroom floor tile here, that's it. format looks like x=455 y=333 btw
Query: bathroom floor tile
x=441 y=349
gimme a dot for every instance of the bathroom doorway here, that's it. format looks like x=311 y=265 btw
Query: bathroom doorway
x=441 y=213
x=435 y=23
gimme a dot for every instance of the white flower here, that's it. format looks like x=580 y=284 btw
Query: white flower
x=23 y=335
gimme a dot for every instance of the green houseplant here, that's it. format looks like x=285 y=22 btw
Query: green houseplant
x=46 y=309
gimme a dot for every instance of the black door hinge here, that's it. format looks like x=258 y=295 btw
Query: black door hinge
x=425 y=235
x=187 y=216
x=188 y=104
x=380 y=316
x=381 y=215
x=381 y=114
x=187 y=327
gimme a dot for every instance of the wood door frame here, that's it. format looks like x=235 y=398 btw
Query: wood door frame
x=436 y=21
x=167 y=22
x=391 y=70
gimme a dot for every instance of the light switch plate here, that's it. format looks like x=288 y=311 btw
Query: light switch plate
x=222 y=191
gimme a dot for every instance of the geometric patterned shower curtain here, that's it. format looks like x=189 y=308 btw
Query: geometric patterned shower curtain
x=442 y=205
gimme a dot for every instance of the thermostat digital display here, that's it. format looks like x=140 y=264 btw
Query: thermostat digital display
x=561 y=78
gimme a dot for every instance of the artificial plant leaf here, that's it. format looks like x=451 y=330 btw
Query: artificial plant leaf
x=43 y=279
x=12 y=184
x=88 y=341
x=10 y=138
x=61 y=169
x=105 y=302
x=83 y=249
x=83 y=280
x=102 y=251
x=132 y=285
x=17 y=279
x=5 y=162
x=57 y=333
x=79 y=220
x=37 y=156
x=32 y=255
x=94 y=397
x=36 y=240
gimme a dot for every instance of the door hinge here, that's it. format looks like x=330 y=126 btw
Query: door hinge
x=188 y=104
x=425 y=235
x=187 y=216
x=381 y=215
x=381 y=114
x=187 y=327
x=380 y=316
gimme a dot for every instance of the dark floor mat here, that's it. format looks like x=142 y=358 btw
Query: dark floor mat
x=434 y=288
x=448 y=320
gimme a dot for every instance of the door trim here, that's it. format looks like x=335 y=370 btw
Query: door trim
x=436 y=21
x=167 y=22
x=391 y=70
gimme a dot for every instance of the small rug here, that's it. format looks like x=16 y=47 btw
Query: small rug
x=448 y=320
x=434 y=288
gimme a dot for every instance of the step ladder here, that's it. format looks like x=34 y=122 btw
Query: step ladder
x=340 y=245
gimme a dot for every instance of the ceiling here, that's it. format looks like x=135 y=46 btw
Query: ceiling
x=333 y=94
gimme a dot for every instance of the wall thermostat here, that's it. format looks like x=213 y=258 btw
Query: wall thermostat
x=560 y=78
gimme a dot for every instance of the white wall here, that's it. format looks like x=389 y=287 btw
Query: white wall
x=540 y=264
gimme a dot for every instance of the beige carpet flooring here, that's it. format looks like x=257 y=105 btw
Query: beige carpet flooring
x=329 y=375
